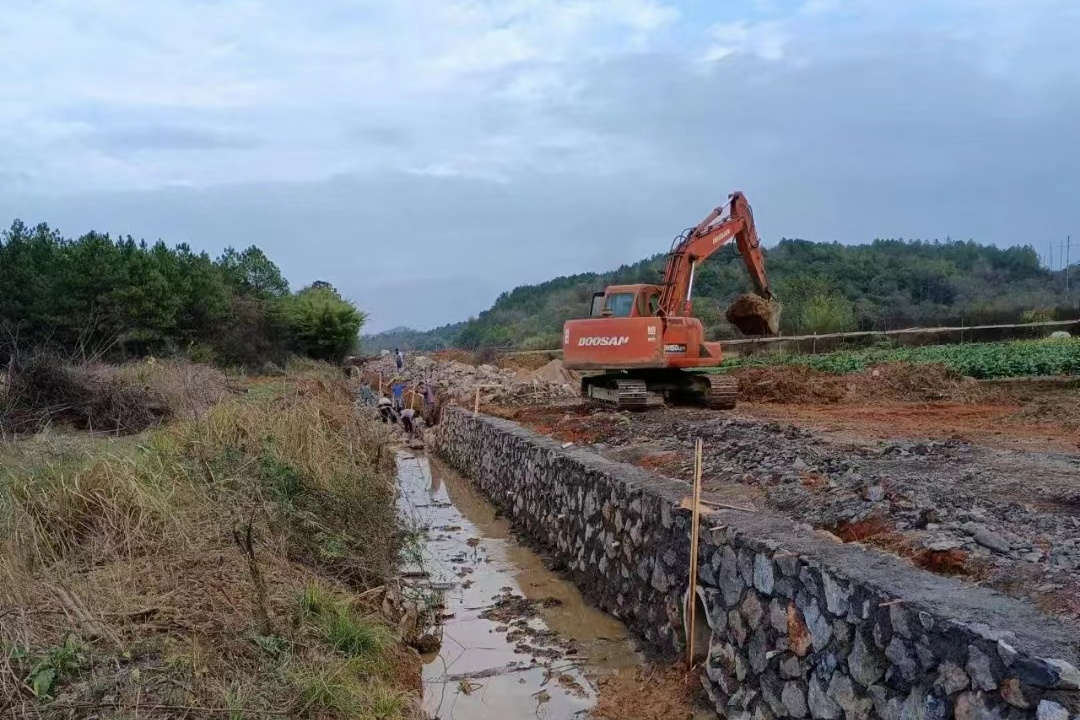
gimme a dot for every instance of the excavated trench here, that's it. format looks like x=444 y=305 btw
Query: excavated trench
x=517 y=638
x=797 y=623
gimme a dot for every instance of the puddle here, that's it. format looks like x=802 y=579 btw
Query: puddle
x=518 y=640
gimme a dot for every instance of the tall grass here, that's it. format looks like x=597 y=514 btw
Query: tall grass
x=178 y=563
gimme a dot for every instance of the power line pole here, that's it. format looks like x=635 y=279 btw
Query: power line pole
x=1068 y=246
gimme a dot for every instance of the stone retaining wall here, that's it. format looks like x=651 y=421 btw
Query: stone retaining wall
x=798 y=625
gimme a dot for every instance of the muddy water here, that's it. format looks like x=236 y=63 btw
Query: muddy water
x=517 y=640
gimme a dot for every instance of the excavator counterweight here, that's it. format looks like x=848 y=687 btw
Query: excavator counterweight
x=641 y=343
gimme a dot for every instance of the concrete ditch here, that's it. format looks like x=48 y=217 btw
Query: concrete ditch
x=794 y=625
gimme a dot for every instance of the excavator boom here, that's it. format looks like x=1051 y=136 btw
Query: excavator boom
x=733 y=221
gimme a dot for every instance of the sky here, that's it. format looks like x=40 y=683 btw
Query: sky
x=425 y=155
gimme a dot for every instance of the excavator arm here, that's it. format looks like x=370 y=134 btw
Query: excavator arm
x=733 y=221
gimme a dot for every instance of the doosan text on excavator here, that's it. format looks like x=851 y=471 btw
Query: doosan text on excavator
x=641 y=344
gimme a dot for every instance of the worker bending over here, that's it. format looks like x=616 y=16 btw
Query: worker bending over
x=408 y=420
x=386 y=410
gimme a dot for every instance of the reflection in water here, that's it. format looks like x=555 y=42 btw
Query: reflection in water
x=477 y=673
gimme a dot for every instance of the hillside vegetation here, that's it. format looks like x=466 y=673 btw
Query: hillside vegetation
x=96 y=295
x=825 y=287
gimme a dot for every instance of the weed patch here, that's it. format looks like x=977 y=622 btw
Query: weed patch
x=46 y=390
x=217 y=563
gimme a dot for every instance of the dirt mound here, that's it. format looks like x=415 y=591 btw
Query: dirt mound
x=913 y=383
x=754 y=315
x=525 y=361
x=900 y=382
x=1063 y=410
x=554 y=372
x=789 y=384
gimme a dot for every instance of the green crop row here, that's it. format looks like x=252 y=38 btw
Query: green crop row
x=979 y=360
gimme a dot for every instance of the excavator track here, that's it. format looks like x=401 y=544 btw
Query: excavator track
x=624 y=394
x=723 y=392
x=717 y=392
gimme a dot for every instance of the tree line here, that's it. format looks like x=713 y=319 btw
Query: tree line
x=96 y=296
x=824 y=287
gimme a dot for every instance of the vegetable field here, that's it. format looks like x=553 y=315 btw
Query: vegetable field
x=979 y=360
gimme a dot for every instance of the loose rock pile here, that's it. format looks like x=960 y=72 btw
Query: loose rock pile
x=458 y=382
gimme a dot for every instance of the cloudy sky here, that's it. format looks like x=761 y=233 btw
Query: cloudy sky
x=424 y=155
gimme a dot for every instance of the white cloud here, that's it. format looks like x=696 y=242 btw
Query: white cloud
x=519 y=139
x=763 y=39
x=103 y=93
x=294 y=78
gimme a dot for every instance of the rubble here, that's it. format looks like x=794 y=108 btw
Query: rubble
x=458 y=382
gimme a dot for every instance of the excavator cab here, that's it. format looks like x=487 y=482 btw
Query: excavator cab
x=626 y=301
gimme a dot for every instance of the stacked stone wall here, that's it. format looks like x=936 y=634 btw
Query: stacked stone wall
x=798 y=625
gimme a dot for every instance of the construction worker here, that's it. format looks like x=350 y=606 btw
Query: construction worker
x=408 y=420
x=398 y=391
x=367 y=395
x=427 y=392
x=399 y=359
x=386 y=410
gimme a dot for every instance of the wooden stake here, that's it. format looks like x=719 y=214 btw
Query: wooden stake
x=476 y=404
x=695 y=524
x=380 y=383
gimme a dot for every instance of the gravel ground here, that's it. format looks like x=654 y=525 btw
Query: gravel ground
x=1004 y=518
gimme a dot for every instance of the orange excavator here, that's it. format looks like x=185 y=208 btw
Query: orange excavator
x=645 y=342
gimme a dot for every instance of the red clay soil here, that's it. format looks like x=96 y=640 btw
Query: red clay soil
x=665 y=463
x=1001 y=425
x=900 y=400
x=572 y=423
x=888 y=382
x=893 y=400
x=878 y=531
x=656 y=693
x=789 y=384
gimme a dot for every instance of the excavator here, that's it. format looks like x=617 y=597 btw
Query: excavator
x=640 y=344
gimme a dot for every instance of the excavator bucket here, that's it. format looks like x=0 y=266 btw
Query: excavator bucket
x=754 y=315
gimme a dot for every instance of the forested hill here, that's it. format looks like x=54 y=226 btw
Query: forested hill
x=824 y=287
x=98 y=296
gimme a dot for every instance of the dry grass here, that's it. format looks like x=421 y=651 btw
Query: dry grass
x=211 y=568
x=47 y=390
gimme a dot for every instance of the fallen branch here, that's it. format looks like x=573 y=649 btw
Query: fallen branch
x=77 y=612
x=713 y=503
x=501 y=670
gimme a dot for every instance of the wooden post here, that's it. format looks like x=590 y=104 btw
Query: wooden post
x=695 y=524
x=380 y=383
x=476 y=404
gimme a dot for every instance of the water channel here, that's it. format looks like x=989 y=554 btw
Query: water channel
x=517 y=639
